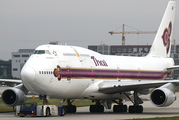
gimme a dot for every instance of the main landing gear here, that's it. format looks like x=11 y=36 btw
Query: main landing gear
x=136 y=108
x=98 y=108
x=120 y=107
x=70 y=108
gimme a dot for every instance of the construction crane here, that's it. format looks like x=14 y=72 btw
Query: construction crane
x=131 y=32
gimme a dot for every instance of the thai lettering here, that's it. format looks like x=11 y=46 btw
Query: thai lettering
x=99 y=62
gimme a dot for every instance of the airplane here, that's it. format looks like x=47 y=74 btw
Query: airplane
x=71 y=72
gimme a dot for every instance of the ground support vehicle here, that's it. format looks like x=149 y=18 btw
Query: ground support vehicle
x=32 y=109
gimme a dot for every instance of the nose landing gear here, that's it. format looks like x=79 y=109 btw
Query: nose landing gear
x=44 y=98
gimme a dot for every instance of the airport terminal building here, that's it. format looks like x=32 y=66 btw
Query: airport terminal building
x=18 y=60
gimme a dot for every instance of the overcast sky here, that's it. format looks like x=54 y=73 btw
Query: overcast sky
x=26 y=24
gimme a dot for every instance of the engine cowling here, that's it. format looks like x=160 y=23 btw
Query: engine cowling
x=13 y=96
x=162 y=97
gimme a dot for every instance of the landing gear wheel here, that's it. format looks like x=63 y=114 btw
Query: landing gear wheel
x=47 y=112
x=92 y=109
x=96 y=108
x=71 y=109
x=120 y=108
x=101 y=108
x=139 y=109
x=115 y=108
x=131 y=109
x=136 y=109
x=62 y=111
x=124 y=108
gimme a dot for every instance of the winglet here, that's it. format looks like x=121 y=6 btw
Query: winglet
x=162 y=42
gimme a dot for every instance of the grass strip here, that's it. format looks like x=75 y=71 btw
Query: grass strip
x=157 y=118
x=78 y=103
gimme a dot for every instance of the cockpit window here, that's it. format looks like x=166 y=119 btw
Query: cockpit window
x=35 y=52
x=47 y=52
x=42 y=52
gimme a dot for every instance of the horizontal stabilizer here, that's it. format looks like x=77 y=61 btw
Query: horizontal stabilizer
x=173 y=67
x=10 y=82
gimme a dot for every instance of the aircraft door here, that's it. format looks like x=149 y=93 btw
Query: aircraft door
x=118 y=75
x=68 y=73
x=139 y=74
x=93 y=73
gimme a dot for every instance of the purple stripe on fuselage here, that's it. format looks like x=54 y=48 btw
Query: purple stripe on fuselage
x=111 y=74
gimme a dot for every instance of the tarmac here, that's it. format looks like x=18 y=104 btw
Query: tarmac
x=83 y=113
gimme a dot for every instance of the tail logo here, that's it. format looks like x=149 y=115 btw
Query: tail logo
x=166 y=37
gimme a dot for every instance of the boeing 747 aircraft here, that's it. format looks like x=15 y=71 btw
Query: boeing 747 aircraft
x=70 y=72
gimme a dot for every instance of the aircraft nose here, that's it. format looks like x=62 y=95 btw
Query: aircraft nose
x=27 y=74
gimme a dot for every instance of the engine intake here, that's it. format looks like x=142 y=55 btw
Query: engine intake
x=13 y=96
x=162 y=97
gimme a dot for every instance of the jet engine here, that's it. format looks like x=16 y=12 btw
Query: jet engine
x=162 y=97
x=14 y=96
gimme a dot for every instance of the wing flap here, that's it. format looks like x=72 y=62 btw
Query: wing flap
x=109 y=87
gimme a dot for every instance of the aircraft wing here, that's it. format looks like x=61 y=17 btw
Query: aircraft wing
x=110 y=87
x=10 y=82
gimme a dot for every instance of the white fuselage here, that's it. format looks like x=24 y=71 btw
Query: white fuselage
x=74 y=73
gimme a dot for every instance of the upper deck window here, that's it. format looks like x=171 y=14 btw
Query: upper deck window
x=42 y=52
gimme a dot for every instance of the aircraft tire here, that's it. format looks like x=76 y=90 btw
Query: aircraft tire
x=62 y=111
x=47 y=112
x=136 y=109
x=139 y=109
x=131 y=109
x=71 y=109
x=92 y=108
x=120 y=108
x=124 y=108
x=96 y=108
x=115 y=108
x=101 y=108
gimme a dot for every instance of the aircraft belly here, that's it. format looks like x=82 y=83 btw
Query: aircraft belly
x=78 y=89
x=74 y=89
